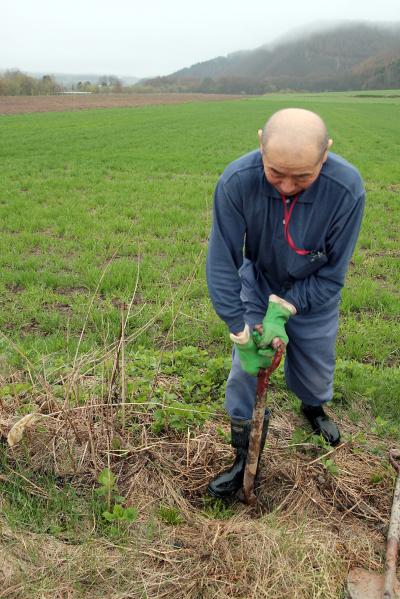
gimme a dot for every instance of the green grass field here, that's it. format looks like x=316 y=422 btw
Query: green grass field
x=108 y=208
x=124 y=190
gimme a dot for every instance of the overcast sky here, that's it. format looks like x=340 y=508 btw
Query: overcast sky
x=155 y=37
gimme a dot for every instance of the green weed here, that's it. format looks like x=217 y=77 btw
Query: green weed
x=330 y=466
x=376 y=477
x=217 y=509
x=169 y=515
x=108 y=492
x=384 y=428
x=108 y=489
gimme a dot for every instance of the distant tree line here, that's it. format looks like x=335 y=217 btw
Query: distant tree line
x=16 y=83
x=107 y=84
x=378 y=72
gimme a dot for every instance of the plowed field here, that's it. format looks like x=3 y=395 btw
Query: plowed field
x=24 y=104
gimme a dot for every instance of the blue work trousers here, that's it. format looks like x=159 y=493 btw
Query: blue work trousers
x=310 y=353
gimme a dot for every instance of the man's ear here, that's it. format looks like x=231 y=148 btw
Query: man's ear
x=260 y=132
x=330 y=144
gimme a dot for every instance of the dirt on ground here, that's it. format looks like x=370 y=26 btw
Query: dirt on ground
x=60 y=103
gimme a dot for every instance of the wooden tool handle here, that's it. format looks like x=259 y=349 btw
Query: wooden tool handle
x=392 y=547
x=253 y=453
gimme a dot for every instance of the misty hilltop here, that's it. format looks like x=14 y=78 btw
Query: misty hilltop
x=349 y=56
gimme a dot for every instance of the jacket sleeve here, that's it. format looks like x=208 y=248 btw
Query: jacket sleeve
x=225 y=255
x=327 y=282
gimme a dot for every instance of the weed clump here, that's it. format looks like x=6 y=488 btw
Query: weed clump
x=140 y=459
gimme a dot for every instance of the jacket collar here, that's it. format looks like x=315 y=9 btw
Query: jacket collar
x=306 y=197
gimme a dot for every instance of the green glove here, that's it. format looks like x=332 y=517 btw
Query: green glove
x=273 y=325
x=252 y=358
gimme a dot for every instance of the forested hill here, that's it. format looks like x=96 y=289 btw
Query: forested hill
x=348 y=57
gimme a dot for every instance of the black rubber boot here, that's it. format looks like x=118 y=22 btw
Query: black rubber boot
x=228 y=483
x=321 y=423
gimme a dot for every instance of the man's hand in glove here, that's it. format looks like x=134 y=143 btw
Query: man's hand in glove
x=273 y=325
x=251 y=357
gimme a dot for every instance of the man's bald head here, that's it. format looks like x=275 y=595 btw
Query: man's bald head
x=295 y=131
x=294 y=147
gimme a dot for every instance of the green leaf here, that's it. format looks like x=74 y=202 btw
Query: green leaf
x=106 y=478
x=108 y=516
x=299 y=436
x=118 y=511
x=116 y=443
x=331 y=466
x=131 y=514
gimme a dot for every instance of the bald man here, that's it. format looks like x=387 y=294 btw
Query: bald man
x=286 y=220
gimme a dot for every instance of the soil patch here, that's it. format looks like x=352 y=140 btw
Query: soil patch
x=26 y=104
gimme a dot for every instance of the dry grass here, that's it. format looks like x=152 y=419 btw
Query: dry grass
x=308 y=529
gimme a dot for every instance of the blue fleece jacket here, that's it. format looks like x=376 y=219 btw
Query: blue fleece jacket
x=248 y=221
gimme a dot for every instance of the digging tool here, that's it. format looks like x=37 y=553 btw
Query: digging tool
x=253 y=453
x=362 y=584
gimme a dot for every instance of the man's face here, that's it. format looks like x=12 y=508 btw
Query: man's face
x=292 y=174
